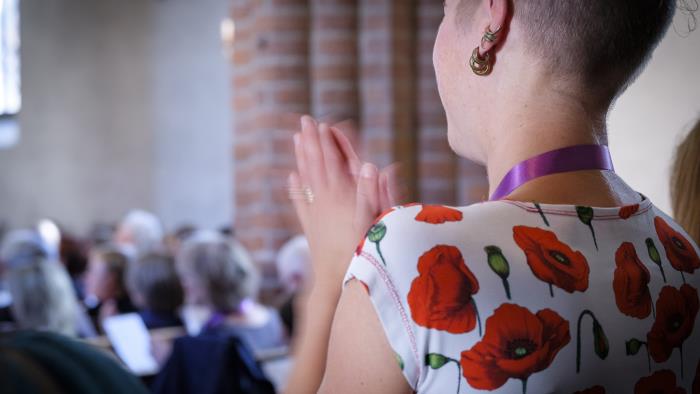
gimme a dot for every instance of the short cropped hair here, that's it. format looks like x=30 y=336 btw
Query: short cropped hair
x=600 y=44
x=154 y=277
x=220 y=267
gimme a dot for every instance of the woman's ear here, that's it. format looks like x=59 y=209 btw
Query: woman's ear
x=498 y=13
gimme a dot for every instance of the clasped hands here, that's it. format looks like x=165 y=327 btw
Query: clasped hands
x=336 y=196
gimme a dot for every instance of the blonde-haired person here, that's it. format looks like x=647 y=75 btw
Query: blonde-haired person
x=565 y=281
x=218 y=275
x=685 y=183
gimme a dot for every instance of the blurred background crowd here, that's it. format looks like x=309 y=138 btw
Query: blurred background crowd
x=188 y=282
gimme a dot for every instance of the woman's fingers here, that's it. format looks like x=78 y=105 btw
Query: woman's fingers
x=332 y=156
x=395 y=189
x=384 y=198
x=353 y=160
x=301 y=160
x=311 y=143
x=367 y=202
x=295 y=194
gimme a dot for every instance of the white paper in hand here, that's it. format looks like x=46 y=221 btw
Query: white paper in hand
x=132 y=342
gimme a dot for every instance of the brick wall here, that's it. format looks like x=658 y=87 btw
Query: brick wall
x=369 y=60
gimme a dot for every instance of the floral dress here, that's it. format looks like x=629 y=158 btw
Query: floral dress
x=511 y=297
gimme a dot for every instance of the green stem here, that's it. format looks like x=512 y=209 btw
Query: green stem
x=646 y=346
x=524 y=386
x=653 y=310
x=683 y=276
x=551 y=290
x=578 y=338
x=663 y=274
x=478 y=317
x=506 y=285
x=539 y=209
x=459 y=375
x=379 y=251
x=595 y=241
x=681 y=351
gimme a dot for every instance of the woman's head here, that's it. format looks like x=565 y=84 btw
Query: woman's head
x=685 y=184
x=43 y=297
x=583 y=51
x=153 y=283
x=215 y=273
x=104 y=278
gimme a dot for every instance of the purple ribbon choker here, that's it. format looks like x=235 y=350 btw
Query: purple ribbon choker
x=572 y=158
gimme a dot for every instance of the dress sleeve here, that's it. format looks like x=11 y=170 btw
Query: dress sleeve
x=369 y=268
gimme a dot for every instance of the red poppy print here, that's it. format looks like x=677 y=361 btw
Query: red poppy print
x=661 y=382
x=627 y=211
x=516 y=344
x=675 y=317
x=631 y=283
x=437 y=214
x=551 y=260
x=592 y=390
x=441 y=296
x=680 y=252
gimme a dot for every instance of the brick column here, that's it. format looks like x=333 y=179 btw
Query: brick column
x=333 y=59
x=387 y=84
x=270 y=86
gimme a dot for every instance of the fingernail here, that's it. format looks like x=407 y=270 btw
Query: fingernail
x=367 y=170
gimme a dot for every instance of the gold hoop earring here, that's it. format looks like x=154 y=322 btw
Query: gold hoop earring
x=490 y=36
x=480 y=66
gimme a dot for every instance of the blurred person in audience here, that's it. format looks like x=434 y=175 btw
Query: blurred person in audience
x=74 y=257
x=101 y=233
x=293 y=262
x=138 y=233
x=156 y=291
x=106 y=293
x=42 y=296
x=173 y=242
x=220 y=278
x=685 y=183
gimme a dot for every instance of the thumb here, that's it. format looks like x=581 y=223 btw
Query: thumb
x=367 y=202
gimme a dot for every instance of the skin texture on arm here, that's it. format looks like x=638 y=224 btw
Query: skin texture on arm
x=360 y=359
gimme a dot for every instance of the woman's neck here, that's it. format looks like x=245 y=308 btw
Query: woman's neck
x=554 y=124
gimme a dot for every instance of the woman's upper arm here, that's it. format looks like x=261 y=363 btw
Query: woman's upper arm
x=360 y=358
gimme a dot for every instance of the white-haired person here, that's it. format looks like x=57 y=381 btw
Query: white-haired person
x=42 y=295
x=138 y=233
x=293 y=268
x=567 y=280
x=218 y=277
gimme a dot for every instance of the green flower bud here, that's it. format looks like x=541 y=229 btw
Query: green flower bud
x=399 y=360
x=585 y=214
x=600 y=341
x=377 y=232
x=653 y=252
x=497 y=261
x=435 y=360
x=632 y=346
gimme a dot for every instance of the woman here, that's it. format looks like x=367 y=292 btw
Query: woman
x=105 y=285
x=685 y=184
x=41 y=291
x=534 y=291
x=215 y=277
x=155 y=288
